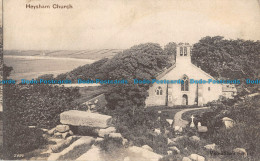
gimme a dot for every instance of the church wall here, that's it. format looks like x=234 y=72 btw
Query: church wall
x=154 y=99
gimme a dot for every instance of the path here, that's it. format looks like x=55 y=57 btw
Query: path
x=178 y=121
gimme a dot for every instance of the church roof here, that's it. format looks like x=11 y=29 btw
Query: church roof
x=159 y=76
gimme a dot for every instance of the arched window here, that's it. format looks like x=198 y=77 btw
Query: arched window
x=158 y=91
x=185 y=83
x=181 y=51
x=185 y=51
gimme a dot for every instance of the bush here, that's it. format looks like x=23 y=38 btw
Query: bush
x=139 y=128
x=38 y=105
x=240 y=136
x=111 y=144
x=21 y=139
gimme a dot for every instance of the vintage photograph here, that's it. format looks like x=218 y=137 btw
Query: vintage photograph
x=96 y=80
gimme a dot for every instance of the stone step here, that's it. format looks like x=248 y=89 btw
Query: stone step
x=75 y=150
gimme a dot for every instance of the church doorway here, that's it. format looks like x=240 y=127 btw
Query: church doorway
x=184 y=99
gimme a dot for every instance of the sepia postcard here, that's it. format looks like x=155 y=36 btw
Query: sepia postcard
x=130 y=80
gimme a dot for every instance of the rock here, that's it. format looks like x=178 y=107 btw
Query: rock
x=57 y=134
x=44 y=130
x=71 y=133
x=52 y=131
x=196 y=157
x=186 y=159
x=99 y=140
x=147 y=148
x=178 y=138
x=83 y=118
x=170 y=121
x=175 y=149
x=202 y=129
x=194 y=138
x=178 y=129
x=115 y=135
x=228 y=122
x=93 y=154
x=138 y=153
x=127 y=159
x=45 y=136
x=61 y=144
x=240 y=151
x=103 y=132
x=124 y=141
x=213 y=148
x=170 y=142
x=64 y=135
x=157 y=131
x=62 y=128
x=169 y=152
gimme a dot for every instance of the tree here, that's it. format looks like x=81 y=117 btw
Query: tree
x=232 y=59
x=6 y=71
x=170 y=49
x=142 y=61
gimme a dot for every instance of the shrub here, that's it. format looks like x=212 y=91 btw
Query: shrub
x=111 y=144
x=240 y=136
x=38 y=105
x=21 y=139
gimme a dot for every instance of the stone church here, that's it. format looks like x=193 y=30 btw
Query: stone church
x=184 y=93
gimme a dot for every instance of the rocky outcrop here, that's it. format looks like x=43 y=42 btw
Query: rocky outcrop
x=194 y=138
x=147 y=148
x=138 y=153
x=197 y=157
x=240 y=151
x=82 y=118
x=107 y=131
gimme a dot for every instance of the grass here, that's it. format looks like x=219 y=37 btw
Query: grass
x=88 y=93
x=187 y=115
x=167 y=112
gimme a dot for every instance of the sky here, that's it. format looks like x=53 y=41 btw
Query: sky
x=120 y=24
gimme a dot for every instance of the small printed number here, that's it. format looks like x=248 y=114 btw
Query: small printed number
x=18 y=155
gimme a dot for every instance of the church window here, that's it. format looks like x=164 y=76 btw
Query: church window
x=158 y=91
x=181 y=51
x=185 y=84
x=185 y=51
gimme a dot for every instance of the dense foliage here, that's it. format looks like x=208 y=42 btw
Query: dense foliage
x=245 y=133
x=233 y=59
x=38 y=105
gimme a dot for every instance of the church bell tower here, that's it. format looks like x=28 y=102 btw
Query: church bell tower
x=183 y=55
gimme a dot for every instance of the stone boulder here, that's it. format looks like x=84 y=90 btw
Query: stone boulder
x=186 y=159
x=212 y=148
x=240 y=151
x=107 y=131
x=52 y=131
x=194 y=138
x=138 y=153
x=229 y=123
x=178 y=129
x=171 y=142
x=62 y=128
x=99 y=140
x=83 y=118
x=147 y=148
x=196 y=157
x=115 y=135
x=175 y=149
x=170 y=121
x=178 y=138
x=202 y=129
